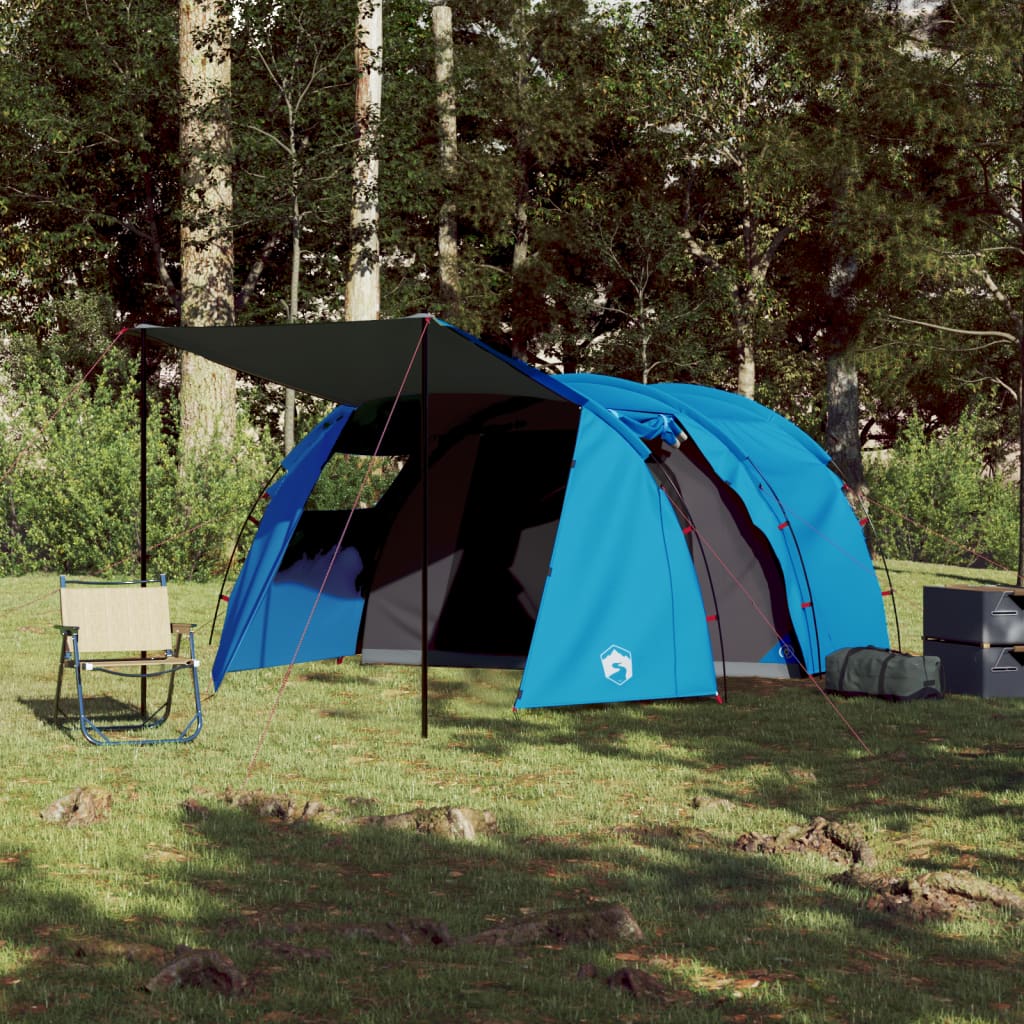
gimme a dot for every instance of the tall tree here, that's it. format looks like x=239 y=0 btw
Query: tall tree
x=526 y=76
x=448 y=227
x=723 y=117
x=88 y=181
x=868 y=230
x=292 y=79
x=976 y=163
x=362 y=293
x=207 y=248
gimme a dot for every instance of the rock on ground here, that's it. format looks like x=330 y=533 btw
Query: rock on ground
x=199 y=968
x=83 y=806
x=936 y=895
x=452 y=822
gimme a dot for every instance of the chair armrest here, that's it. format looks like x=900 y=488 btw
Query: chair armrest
x=182 y=628
x=67 y=630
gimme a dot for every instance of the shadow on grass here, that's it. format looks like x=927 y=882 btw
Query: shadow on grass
x=107 y=713
x=105 y=710
x=735 y=936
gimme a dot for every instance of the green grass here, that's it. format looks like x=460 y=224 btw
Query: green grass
x=592 y=804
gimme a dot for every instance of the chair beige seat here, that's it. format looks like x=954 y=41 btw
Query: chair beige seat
x=125 y=629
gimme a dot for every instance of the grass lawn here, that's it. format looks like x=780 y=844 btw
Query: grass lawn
x=636 y=804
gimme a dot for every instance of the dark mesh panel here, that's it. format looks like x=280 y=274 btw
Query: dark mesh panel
x=739 y=576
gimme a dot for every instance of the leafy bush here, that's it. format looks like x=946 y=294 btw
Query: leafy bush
x=70 y=484
x=348 y=477
x=932 y=499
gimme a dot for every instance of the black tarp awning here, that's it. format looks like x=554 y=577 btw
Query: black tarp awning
x=354 y=362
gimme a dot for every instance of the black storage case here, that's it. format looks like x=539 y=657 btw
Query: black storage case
x=978 y=632
x=974 y=615
x=980 y=671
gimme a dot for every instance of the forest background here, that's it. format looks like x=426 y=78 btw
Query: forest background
x=816 y=203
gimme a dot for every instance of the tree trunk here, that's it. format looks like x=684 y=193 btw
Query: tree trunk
x=207 y=256
x=1020 y=458
x=748 y=298
x=293 y=305
x=746 y=377
x=447 y=232
x=521 y=235
x=842 y=414
x=842 y=418
x=362 y=293
x=746 y=352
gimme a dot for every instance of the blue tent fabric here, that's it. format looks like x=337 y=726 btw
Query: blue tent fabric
x=621 y=617
x=835 y=566
x=269 y=612
x=781 y=474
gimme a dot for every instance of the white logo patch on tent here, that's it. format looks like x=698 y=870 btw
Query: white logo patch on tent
x=617 y=663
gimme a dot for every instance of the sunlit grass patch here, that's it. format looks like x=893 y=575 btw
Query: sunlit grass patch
x=636 y=804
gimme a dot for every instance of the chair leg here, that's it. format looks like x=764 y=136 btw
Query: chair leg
x=60 y=680
x=91 y=732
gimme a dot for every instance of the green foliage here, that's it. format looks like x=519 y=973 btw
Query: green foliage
x=73 y=332
x=353 y=480
x=70 y=487
x=640 y=188
x=88 y=137
x=194 y=518
x=933 y=501
x=293 y=132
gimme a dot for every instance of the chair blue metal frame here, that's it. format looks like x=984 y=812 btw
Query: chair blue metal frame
x=124 y=629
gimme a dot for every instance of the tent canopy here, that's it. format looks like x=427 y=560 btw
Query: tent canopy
x=353 y=363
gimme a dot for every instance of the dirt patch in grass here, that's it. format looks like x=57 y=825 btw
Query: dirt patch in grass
x=831 y=839
x=940 y=895
x=451 y=822
x=937 y=895
x=410 y=932
x=599 y=923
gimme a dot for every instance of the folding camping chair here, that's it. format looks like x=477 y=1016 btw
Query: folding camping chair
x=129 y=625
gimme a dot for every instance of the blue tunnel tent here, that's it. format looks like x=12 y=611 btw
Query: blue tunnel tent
x=614 y=541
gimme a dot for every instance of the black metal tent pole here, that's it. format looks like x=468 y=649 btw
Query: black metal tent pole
x=425 y=495
x=143 y=494
x=143 y=469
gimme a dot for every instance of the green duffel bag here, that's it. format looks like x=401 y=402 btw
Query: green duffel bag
x=873 y=672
